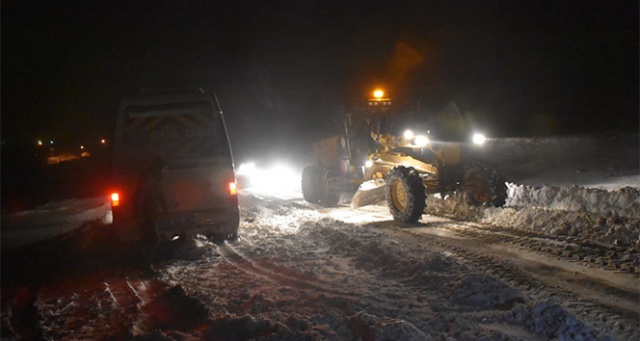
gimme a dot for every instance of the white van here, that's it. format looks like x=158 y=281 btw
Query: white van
x=187 y=131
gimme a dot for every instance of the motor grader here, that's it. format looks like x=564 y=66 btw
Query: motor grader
x=380 y=163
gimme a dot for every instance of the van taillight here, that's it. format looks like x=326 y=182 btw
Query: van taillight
x=115 y=199
x=233 y=188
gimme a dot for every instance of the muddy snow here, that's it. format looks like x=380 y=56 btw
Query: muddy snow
x=559 y=261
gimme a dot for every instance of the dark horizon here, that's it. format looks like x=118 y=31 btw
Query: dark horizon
x=537 y=68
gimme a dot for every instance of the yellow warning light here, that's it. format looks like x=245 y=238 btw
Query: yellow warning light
x=379 y=99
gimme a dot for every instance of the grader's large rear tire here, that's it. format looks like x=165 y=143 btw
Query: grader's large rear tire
x=316 y=187
x=310 y=182
x=405 y=194
x=484 y=185
x=328 y=196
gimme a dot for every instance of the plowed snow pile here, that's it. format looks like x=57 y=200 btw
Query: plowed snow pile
x=584 y=187
x=603 y=216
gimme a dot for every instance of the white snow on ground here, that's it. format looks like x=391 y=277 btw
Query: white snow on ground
x=301 y=272
x=53 y=219
x=597 y=215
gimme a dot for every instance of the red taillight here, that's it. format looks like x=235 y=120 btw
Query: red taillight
x=233 y=188
x=115 y=199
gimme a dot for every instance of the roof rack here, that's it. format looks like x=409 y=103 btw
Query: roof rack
x=175 y=90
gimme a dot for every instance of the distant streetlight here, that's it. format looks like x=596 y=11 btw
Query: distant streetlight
x=39 y=143
x=103 y=141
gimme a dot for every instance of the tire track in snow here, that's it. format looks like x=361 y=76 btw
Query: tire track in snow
x=567 y=253
x=278 y=275
x=575 y=250
x=606 y=307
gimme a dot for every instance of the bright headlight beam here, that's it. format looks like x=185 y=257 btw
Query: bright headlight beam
x=421 y=141
x=279 y=180
x=479 y=139
x=248 y=169
x=408 y=134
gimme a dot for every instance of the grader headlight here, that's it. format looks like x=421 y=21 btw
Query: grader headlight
x=479 y=139
x=415 y=141
x=409 y=135
x=421 y=141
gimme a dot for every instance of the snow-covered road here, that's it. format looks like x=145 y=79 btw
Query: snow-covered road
x=299 y=272
x=558 y=262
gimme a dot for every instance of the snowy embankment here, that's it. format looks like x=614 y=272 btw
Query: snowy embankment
x=604 y=216
x=51 y=220
x=584 y=187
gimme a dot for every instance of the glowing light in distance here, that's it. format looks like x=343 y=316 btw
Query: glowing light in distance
x=421 y=141
x=378 y=94
x=248 y=169
x=479 y=139
x=277 y=180
x=408 y=134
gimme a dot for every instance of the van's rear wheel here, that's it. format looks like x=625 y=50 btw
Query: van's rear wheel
x=405 y=194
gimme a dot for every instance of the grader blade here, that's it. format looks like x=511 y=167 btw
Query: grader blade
x=369 y=193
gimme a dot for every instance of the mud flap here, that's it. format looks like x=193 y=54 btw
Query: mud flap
x=369 y=193
x=127 y=231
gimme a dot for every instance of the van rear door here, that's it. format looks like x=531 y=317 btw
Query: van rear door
x=188 y=132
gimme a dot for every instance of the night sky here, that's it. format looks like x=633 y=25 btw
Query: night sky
x=517 y=68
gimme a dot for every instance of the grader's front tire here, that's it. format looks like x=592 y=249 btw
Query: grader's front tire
x=405 y=195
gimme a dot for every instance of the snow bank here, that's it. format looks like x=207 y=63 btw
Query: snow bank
x=624 y=202
x=597 y=215
x=51 y=220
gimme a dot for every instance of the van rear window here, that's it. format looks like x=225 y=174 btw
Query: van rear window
x=176 y=129
x=168 y=109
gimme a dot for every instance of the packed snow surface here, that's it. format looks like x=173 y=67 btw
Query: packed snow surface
x=559 y=261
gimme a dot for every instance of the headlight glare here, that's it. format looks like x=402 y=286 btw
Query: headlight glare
x=408 y=134
x=421 y=141
x=479 y=139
